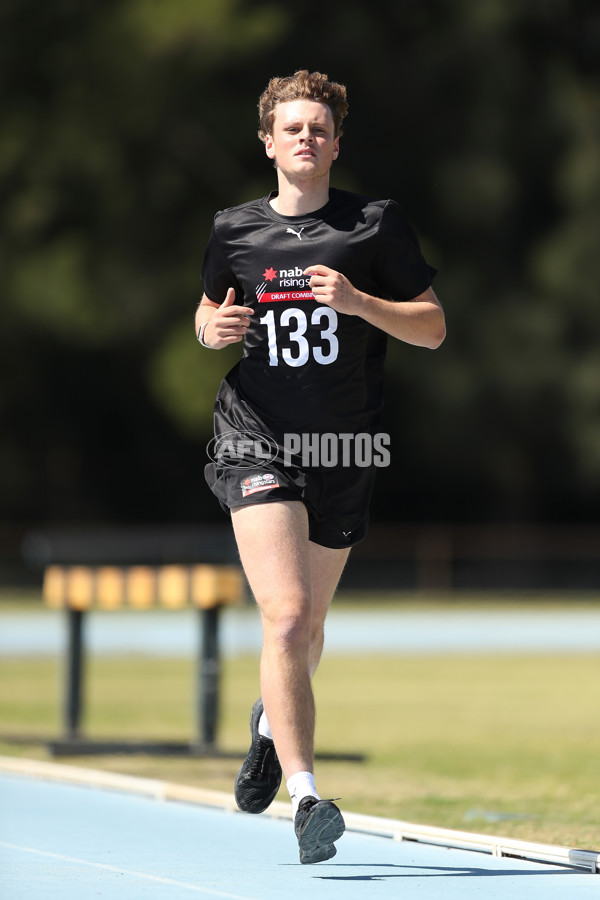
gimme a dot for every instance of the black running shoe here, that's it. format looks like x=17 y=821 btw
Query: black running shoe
x=318 y=824
x=258 y=780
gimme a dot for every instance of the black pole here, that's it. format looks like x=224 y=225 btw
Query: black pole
x=208 y=678
x=74 y=673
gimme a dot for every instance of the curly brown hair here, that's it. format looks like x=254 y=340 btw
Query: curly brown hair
x=302 y=85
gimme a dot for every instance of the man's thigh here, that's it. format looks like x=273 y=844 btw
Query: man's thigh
x=326 y=567
x=282 y=566
x=272 y=540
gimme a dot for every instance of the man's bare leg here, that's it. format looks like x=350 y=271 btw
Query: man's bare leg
x=326 y=567
x=293 y=581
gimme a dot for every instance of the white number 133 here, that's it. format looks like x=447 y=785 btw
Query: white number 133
x=297 y=354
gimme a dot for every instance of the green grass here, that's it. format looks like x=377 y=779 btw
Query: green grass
x=498 y=744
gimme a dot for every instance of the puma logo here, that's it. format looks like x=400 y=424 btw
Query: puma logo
x=297 y=233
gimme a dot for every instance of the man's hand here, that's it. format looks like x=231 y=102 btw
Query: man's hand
x=228 y=324
x=334 y=289
x=419 y=321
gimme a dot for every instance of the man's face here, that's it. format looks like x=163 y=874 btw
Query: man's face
x=303 y=143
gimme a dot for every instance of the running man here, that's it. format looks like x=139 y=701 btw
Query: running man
x=312 y=280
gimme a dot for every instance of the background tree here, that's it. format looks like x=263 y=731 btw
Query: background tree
x=125 y=124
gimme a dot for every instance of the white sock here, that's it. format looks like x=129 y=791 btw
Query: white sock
x=301 y=785
x=263 y=726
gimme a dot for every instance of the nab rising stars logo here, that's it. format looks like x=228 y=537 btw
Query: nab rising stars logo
x=286 y=278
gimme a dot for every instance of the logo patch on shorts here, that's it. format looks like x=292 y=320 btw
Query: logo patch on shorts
x=252 y=484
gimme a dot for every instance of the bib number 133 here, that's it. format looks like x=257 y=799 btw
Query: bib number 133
x=297 y=350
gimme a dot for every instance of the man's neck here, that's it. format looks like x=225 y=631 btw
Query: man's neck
x=300 y=198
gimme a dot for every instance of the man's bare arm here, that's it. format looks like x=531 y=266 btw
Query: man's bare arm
x=419 y=321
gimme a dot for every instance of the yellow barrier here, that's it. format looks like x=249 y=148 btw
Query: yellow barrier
x=79 y=589
x=142 y=587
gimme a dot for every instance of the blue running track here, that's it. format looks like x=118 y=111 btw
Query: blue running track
x=64 y=841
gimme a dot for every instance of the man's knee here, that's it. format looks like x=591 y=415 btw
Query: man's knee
x=288 y=627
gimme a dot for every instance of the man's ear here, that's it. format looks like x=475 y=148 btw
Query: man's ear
x=336 y=148
x=269 y=147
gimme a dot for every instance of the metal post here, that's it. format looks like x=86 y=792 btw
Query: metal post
x=208 y=678
x=74 y=673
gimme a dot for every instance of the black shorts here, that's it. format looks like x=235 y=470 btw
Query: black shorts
x=336 y=497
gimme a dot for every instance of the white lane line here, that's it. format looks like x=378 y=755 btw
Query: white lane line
x=120 y=871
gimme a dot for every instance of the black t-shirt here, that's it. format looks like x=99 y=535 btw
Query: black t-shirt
x=304 y=364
